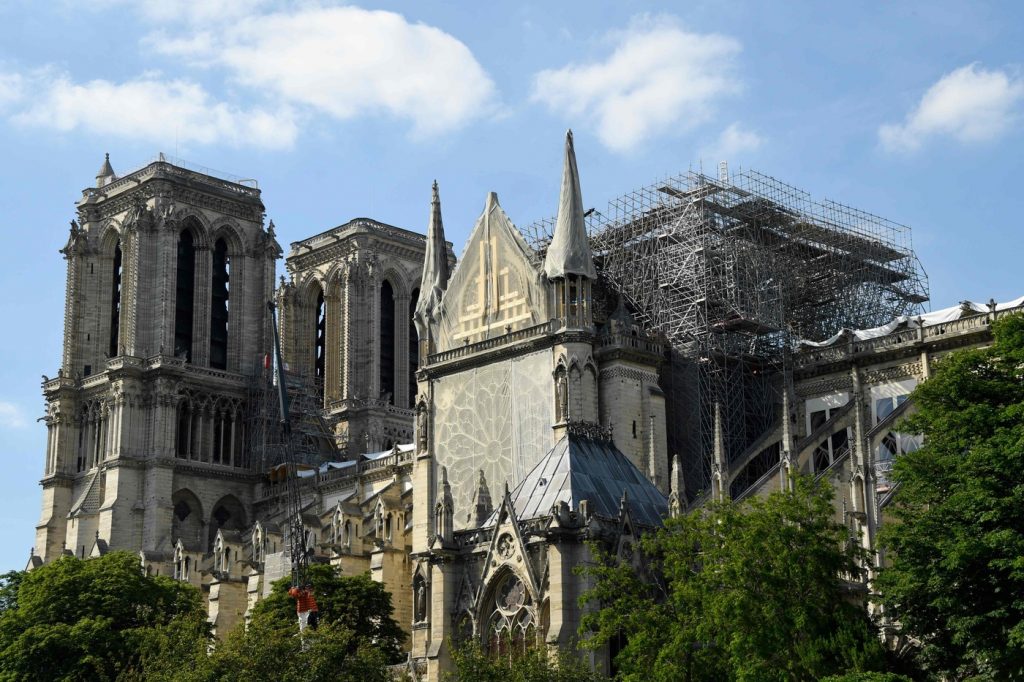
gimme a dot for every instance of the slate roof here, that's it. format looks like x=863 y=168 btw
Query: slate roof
x=579 y=468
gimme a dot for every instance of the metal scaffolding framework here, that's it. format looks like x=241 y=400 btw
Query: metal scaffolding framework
x=313 y=441
x=730 y=271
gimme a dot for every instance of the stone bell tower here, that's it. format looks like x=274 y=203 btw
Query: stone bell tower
x=165 y=321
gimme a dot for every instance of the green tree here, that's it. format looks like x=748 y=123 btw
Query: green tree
x=747 y=591
x=77 y=619
x=956 y=546
x=356 y=603
x=9 y=584
x=266 y=650
x=472 y=664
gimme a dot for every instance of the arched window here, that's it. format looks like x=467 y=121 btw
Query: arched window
x=511 y=627
x=115 y=301
x=184 y=440
x=387 y=342
x=320 y=345
x=219 y=306
x=414 y=348
x=184 y=296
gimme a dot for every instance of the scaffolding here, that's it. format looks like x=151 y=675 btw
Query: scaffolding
x=313 y=440
x=730 y=271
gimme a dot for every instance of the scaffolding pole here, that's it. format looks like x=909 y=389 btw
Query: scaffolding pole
x=730 y=271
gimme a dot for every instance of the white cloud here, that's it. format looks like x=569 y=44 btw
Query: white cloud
x=148 y=108
x=11 y=89
x=969 y=104
x=347 y=62
x=194 y=11
x=658 y=78
x=733 y=141
x=11 y=416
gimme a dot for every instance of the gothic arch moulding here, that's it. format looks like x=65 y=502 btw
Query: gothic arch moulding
x=187 y=519
x=230 y=231
x=197 y=224
x=227 y=513
x=397 y=280
x=110 y=234
x=508 y=615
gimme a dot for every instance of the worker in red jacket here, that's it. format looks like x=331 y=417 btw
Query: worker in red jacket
x=305 y=606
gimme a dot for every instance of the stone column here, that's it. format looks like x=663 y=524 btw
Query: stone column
x=201 y=313
x=401 y=396
x=332 y=342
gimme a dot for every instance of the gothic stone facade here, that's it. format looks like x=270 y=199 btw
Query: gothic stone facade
x=347 y=325
x=145 y=418
x=533 y=425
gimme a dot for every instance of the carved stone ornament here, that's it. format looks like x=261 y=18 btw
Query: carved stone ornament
x=511 y=594
x=505 y=546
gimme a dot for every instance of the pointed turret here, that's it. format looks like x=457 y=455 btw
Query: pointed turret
x=444 y=521
x=435 y=262
x=106 y=175
x=481 y=506
x=569 y=251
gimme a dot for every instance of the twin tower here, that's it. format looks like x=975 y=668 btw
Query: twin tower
x=154 y=417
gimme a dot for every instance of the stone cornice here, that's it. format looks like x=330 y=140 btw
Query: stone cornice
x=102 y=205
x=215 y=471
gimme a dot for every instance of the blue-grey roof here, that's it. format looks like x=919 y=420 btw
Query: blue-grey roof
x=579 y=468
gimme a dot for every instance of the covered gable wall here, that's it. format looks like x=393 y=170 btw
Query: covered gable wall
x=494 y=289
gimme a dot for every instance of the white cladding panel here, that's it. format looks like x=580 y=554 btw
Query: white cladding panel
x=496 y=418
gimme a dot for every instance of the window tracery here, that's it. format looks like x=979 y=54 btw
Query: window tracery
x=512 y=623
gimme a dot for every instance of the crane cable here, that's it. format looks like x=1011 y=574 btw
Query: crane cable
x=296 y=530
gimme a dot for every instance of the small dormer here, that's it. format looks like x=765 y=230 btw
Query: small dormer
x=228 y=554
x=186 y=561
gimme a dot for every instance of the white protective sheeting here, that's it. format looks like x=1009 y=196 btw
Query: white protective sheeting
x=913 y=322
x=496 y=419
x=435 y=262
x=495 y=289
x=569 y=251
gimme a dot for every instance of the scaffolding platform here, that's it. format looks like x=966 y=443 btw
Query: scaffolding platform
x=730 y=270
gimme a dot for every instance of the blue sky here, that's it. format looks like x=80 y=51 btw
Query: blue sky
x=912 y=111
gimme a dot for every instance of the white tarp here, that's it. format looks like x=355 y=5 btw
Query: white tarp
x=912 y=322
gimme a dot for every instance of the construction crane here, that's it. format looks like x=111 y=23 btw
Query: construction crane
x=297 y=551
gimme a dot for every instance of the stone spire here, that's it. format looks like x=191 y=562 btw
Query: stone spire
x=569 y=251
x=481 y=506
x=444 y=516
x=435 y=262
x=678 y=481
x=106 y=175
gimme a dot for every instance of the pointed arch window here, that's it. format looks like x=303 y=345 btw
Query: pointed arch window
x=414 y=348
x=320 y=342
x=219 y=306
x=184 y=295
x=115 y=302
x=511 y=627
x=387 y=341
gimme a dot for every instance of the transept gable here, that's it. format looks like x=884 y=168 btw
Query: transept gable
x=507 y=551
x=495 y=288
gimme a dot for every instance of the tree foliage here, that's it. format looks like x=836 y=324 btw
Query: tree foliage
x=356 y=640
x=956 y=546
x=472 y=664
x=86 y=619
x=356 y=603
x=748 y=591
x=267 y=650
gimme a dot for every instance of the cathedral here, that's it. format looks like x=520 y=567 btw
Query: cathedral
x=464 y=427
